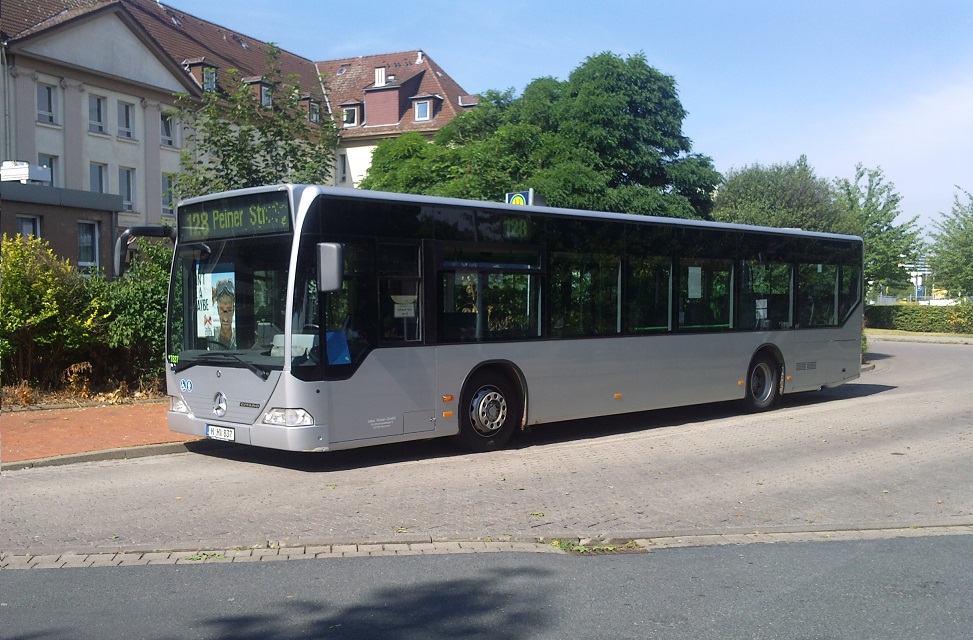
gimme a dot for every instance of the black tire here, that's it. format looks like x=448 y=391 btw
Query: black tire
x=490 y=411
x=762 y=384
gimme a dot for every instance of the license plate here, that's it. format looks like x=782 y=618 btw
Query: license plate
x=220 y=433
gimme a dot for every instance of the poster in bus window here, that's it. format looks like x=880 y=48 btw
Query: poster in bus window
x=216 y=308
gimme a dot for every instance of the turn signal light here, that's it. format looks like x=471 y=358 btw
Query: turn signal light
x=447 y=398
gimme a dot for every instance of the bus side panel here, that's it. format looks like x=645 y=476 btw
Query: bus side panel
x=826 y=357
x=391 y=394
x=570 y=379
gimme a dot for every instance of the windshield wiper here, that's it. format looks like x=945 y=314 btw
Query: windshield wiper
x=260 y=372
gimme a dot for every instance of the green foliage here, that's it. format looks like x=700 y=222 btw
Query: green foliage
x=781 y=195
x=951 y=256
x=922 y=318
x=607 y=139
x=136 y=312
x=873 y=206
x=48 y=318
x=234 y=141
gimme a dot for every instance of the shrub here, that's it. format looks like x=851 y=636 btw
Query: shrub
x=912 y=317
x=48 y=317
x=136 y=307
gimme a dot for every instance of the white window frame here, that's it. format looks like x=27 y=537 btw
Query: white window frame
x=97 y=113
x=126 y=120
x=98 y=177
x=266 y=95
x=89 y=265
x=168 y=202
x=33 y=221
x=314 y=112
x=51 y=162
x=167 y=126
x=47 y=103
x=349 y=117
x=427 y=104
x=126 y=187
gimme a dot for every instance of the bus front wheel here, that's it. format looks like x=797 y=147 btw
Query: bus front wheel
x=763 y=383
x=490 y=411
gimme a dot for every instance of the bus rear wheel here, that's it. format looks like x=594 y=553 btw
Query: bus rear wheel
x=489 y=412
x=763 y=383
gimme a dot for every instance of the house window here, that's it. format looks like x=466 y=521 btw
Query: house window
x=96 y=113
x=423 y=110
x=126 y=120
x=29 y=226
x=349 y=117
x=51 y=163
x=88 y=246
x=47 y=103
x=209 y=78
x=266 y=96
x=168 y=130
x=314 y=112
x=126 y=187
x=168 y=202
x=343 y=167
x=98 y=175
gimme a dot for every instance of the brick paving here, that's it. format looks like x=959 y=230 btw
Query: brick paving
x=43 y=434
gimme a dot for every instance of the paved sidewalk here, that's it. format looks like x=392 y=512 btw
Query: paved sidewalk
x=40 y=437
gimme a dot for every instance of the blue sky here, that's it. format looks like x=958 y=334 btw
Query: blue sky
x=888 y=84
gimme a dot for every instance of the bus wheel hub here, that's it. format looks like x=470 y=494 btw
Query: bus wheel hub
x=488 y=410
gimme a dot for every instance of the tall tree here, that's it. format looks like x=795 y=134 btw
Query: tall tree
x=781 y=195
x=609 y=138
x=951 y=256
x=236 y=140
x=873 y=206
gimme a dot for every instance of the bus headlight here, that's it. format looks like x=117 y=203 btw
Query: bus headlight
x=178 y=405
x=288 y=418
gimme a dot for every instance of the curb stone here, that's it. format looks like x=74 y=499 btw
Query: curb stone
x=512 y=545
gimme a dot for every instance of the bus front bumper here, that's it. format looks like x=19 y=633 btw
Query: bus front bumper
x=304 y=438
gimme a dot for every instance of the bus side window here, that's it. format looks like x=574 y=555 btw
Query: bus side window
x=399 y=288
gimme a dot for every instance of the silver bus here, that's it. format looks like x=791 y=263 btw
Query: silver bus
x=313 y=318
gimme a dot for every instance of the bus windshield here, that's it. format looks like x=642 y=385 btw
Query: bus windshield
x=227 y=303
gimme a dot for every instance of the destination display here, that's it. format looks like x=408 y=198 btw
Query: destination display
x=250 y=215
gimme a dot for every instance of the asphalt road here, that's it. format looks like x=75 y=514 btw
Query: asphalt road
x=892 y=449
x=891 y=589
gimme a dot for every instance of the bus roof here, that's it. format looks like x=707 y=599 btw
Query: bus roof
x=301 y=191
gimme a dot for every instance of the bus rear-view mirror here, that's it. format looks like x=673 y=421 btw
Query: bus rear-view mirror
x=330 y=266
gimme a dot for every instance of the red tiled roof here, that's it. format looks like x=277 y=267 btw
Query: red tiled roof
x=180 y=36
x=349 y=79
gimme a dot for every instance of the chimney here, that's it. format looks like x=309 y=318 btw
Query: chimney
x=379 y=76
x=419 y=57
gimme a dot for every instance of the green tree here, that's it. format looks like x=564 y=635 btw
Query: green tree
x=872 y=204
x=47 y=316
x=786 y=195
x=951 y=258
x=235 y=141
x=609 y=138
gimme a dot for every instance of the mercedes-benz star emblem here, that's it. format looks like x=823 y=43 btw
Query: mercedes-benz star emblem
x=219 y=404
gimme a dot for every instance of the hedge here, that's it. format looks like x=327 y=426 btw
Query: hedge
x=913 y=317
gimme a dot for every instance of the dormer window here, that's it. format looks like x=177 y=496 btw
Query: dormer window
x=423 y=110
x=209 y=78
x=349 y=116
x=424 y=107
x=313 y=108
x=204 y=73
x=263 y=90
